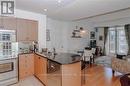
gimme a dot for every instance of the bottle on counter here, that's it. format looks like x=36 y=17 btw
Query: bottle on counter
x=35 y=44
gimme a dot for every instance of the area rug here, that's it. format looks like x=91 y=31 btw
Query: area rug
x=104 y=61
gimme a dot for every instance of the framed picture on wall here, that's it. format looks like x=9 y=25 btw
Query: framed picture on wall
x=92 y=35
x=100 y=38
x=47 y=35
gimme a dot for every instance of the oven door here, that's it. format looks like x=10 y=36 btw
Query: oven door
x=6 y=67
x=8 y=72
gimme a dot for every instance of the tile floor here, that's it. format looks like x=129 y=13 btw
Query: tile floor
x=30 y=81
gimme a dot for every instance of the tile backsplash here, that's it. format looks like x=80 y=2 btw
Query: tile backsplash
x=25 y=47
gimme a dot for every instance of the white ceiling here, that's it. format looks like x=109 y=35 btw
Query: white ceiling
x=72 y=9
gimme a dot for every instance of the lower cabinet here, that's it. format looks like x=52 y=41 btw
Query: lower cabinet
x=40 y=68
x=32 y=64
x=26 y=65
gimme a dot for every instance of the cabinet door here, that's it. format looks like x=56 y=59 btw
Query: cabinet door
x=22 y=67
x=30 y=64
x=43 y=70
x=26 y=65
x=22 y=30
x=9 y=23
x=33 y=30
x=1 y=24
x=36 y=68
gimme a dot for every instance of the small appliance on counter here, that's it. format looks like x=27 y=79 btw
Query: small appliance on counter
x=27 y=47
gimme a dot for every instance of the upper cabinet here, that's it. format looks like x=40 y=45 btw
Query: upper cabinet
x=33 y=30
x=1 y=25
x=27 y=30
x=22 y=30
x=8 y=23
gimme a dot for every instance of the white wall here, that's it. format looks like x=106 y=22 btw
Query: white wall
x=75 y=44
x=61 y=32
x=41 y=24
x=58 y=32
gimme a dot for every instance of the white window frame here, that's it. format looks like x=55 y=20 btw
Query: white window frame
x=116 y=29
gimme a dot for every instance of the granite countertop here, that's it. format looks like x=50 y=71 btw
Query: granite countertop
x=62 y=58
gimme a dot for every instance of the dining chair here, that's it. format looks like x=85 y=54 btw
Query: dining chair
x=87 y=55
x=93 y=53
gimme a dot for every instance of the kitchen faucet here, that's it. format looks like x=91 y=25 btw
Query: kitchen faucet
x=54 y=52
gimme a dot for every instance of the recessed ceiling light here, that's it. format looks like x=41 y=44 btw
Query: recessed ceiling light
x=45 y=10
x=59 y=1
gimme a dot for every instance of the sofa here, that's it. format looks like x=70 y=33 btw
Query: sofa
x=120 y=65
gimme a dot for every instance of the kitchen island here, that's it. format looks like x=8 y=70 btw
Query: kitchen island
x=68 y=65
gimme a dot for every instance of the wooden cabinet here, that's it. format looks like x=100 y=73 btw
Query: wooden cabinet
x=36 y=64
x=27 y=30
x=33 y=30
x=40 y=68
x=1 y=24
x=22 y=30
x=26 y=65
x=8 y=23
x=74 y=77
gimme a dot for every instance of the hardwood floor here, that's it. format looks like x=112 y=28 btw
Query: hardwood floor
x=95 y=76
x=101 y=76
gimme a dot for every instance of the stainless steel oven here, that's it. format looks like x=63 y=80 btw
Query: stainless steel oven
x=6 y=67
x=8 y=57
x=8 y=71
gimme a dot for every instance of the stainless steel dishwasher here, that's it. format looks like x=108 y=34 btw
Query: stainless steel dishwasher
x=54 y=74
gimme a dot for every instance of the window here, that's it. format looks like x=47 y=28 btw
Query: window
x=122 y=46
x=117 y=41
x=112 y=40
